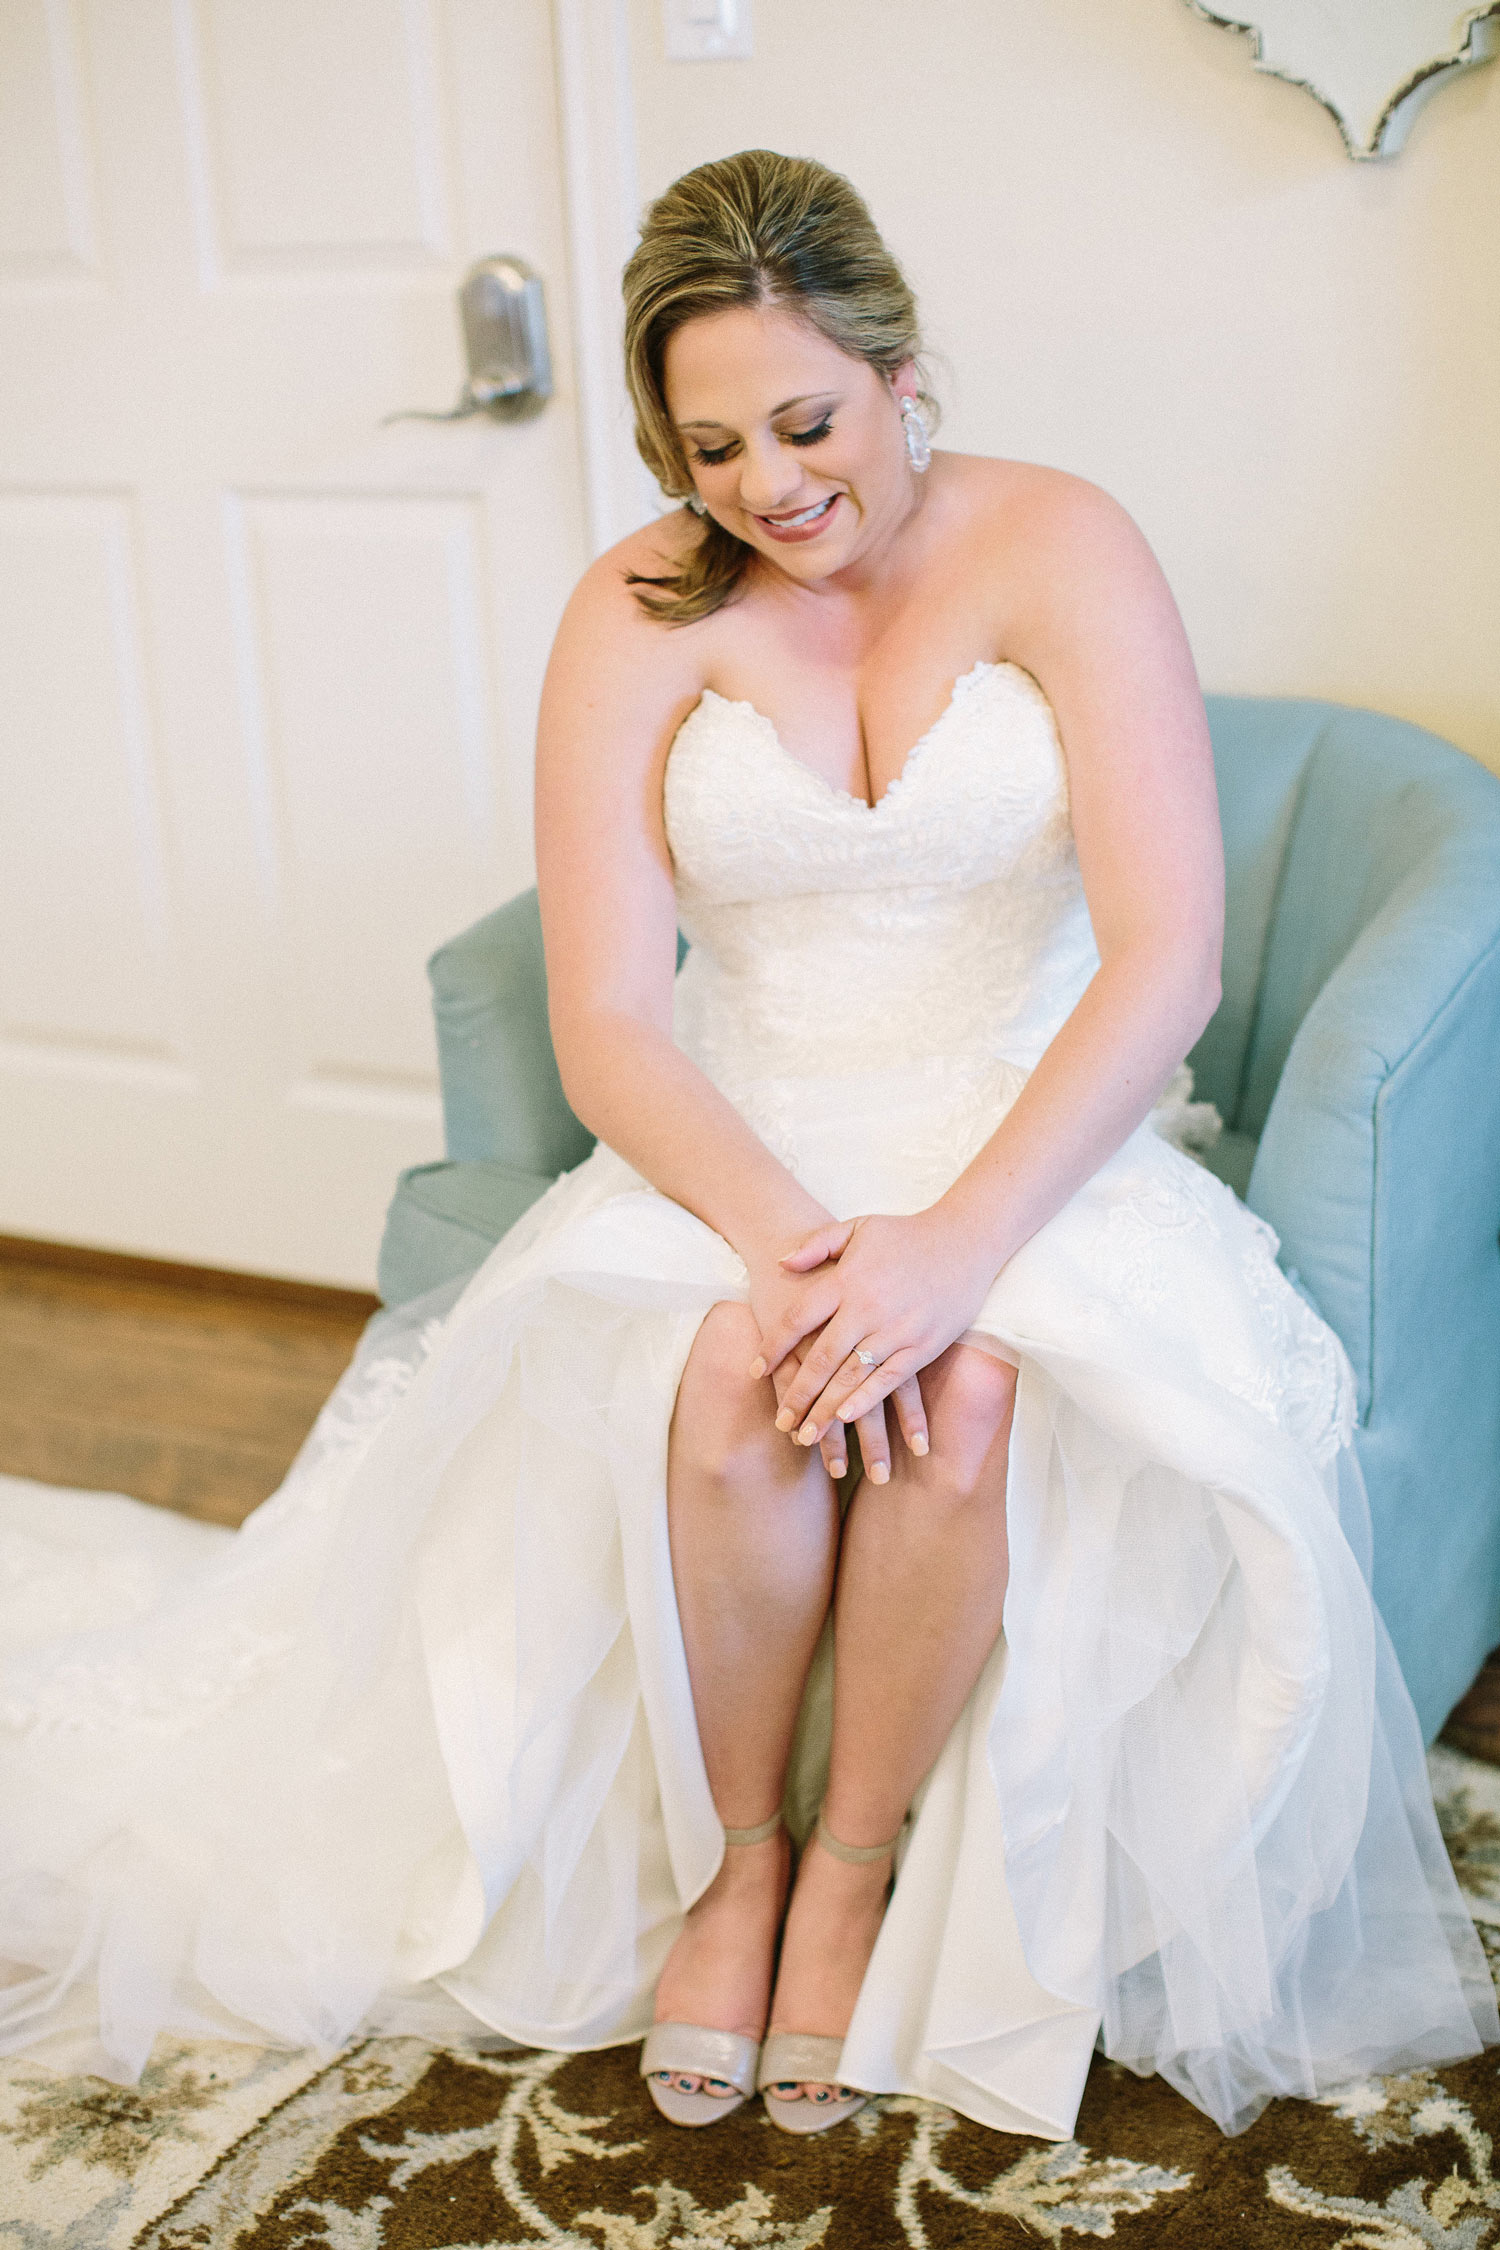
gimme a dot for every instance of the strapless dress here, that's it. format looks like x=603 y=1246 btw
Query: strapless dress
x=415 y=1748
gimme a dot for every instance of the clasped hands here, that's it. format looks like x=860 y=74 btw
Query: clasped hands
x=850 y=1315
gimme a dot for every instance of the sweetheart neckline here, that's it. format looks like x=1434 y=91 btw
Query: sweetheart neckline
x=831 y=788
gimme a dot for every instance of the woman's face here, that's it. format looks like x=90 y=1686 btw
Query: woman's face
x=794 y=446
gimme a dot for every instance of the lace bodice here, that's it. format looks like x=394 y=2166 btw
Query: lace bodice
x=946 y=920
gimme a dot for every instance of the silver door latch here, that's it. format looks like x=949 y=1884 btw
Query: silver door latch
x=504 y=319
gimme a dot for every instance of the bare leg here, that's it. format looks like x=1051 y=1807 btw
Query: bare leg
x=754 y=1531
x=921 y=1586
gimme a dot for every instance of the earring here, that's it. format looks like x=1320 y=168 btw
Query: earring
x=918 y=451
x=695 y=504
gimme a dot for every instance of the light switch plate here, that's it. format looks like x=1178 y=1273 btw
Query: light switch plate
x=707 y=30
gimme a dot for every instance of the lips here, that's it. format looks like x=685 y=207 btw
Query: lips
x=806 y=523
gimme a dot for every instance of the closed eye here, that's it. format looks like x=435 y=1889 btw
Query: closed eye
x=711 y=456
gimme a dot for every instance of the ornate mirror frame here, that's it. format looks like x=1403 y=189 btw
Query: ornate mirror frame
x=1371 y=63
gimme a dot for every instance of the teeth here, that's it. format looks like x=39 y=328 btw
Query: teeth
x=790 y=523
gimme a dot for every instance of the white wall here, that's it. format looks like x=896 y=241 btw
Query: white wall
x=1145 y=262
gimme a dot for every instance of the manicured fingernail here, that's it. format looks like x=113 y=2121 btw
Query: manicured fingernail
x=879 y=1473
x=757 y=1369
x=785 y=1418
x=837 y=1468
x=919 y=1443
x=808 y=1434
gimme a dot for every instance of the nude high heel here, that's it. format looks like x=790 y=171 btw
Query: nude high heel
x=805 y=2057
x=719 y=2058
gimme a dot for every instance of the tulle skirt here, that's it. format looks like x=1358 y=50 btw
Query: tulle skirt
x=415 y=1749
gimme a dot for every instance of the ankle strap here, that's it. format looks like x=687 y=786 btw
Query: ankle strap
x=854 y=1855
x=760 y=1835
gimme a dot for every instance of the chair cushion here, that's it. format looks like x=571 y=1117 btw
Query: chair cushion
x=445 y=1219
x=1231 y=1159
x=503 y=1100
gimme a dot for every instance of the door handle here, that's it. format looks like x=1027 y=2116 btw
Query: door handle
x=503 y=313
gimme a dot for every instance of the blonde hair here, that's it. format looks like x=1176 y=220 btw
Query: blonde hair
x=752 y=229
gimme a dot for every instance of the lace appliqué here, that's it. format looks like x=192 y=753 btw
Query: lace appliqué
x=1291 y=1368
x=1306 y=1384
x=154 y=1694
x=344 y=1431
x=1133 y=1243
x=175 y=1685
x=829 y=935
x=977 y=1096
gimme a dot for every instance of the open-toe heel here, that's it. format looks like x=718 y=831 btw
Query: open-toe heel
x=677 y=2050
x=810 y=2058
x=728 y=2059
x=795 y=2058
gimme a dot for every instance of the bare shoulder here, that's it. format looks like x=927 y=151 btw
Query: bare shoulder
x=603 y=610
x=1068 y=531
x=614 y=664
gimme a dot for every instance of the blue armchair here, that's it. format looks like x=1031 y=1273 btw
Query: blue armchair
x=1355 y=1059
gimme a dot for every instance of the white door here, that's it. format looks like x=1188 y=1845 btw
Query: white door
x=268 y=671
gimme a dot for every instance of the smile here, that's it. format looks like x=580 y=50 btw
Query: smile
x=802 y=525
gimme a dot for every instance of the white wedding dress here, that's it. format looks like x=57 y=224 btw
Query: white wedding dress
x=420 y=1737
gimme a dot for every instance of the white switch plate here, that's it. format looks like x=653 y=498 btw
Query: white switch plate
x=707 y=30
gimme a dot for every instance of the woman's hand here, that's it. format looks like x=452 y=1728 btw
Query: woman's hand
x=898 y=1290
x=778 y=1299
x=781 y=1290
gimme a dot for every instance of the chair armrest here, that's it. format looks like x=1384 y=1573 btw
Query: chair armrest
x=1379 y=1166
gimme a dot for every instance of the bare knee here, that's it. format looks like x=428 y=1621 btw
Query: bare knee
x=970 y=1398
x=723 y=1426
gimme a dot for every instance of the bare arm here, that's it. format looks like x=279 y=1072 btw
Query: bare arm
x=1102 y=636
x=617 y=689
x=618 y=686
x=1104 y=640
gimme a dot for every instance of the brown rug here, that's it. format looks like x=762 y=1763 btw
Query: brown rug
x=399 y=2145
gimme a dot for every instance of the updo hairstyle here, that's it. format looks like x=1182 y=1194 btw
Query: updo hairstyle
x=752 y=229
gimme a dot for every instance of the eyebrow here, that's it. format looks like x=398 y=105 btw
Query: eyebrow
x=805 y=399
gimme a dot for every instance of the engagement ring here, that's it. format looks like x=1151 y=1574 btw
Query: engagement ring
x=866 y=1359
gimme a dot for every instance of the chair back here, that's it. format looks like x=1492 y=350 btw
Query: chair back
x=1333 y=819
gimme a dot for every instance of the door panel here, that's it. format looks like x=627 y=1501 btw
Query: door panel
x=319 y=138
x=268 y=669
x=369 y=690
x=88 y=818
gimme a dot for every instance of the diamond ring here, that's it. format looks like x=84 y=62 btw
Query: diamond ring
x=866 y=1359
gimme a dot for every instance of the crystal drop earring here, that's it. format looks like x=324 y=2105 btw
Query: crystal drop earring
x=695 y=504
x=918 y=451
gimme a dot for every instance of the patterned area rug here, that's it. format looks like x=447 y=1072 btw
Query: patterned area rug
x=402 y=2145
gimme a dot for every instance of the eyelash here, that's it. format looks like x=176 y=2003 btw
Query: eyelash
x=814 y=436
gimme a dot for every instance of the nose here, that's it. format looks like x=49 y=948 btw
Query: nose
x=769 y=478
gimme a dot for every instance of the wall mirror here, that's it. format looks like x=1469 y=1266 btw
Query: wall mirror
x=1371 y=63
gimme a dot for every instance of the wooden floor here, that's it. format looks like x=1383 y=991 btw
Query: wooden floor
x=175 y=1384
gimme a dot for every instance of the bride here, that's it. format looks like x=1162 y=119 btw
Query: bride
x=1063 y=1670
